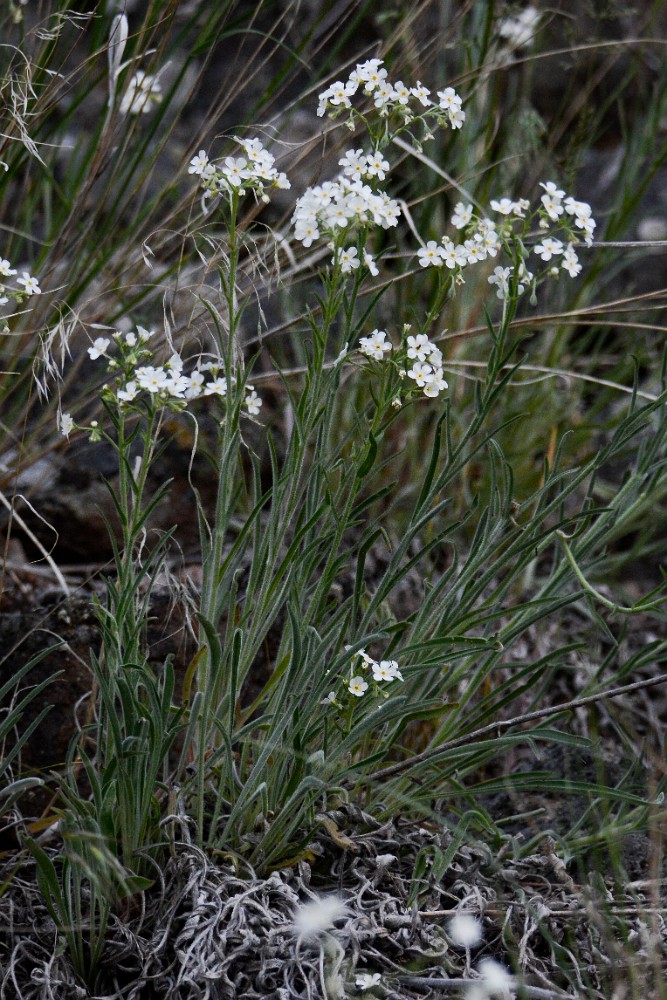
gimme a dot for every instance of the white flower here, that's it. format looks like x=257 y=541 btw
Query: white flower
x=195 y=384
x=127 y=394
x=218 y=387
x=548 y=248
x=330 y=699
x=386 y=670
x=552 y=190
x=130 y=340
x=99 y=348
x=6 y=269
x=150 y=378
x=474 y=251
x=435 y=385
x=420 y=373
x=175 y=363
x=456 y=117
x=376 y=166
x=348 y=260
x=369 y=262
x=418 y=347
x=142 y=92
x=401 y=93
x=500 y=277
x=66 y=424
x=252 y=401
x=367 y=980
x=199 y=164
x=176 y=384
x=570 y=262
x=449 y=99
x=462 y=215
x=431 y=255
x=383 y=94
x=375 y=345
x=465 y=931
x=30 y=285
x=373 y=75
x=357 y=686
x=353 y=163
x=368 y=660
x=235 y=170
x=552 y=207
x=505 y=206
x=319 y=915
x=421 y=93
x=454 y=255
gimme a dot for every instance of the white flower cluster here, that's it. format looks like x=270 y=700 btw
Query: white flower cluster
x=336 y=209
x=482 y=243
x=254 y=170
x=485 y=238
x=383 y=672
x=166 y=384
x=29 y=284
x=555 y=202
x=424 y=356
x=426 y=370
x=142 y=93
x=370 y=78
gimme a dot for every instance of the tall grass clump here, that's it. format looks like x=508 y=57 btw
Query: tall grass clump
x=415 y=488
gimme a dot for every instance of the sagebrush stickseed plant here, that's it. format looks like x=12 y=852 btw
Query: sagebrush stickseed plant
x=413 y=492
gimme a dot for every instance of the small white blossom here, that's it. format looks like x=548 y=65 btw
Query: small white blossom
x=418 y=347
x=195 y=384
x=421 y=93
x=66 y=424
x=570 y=262
x=348 y=259
x=500 y=277
x=436 y=384
x=432 y=255
x=218 y=387
x=199 y=164
x=369 y=262
x=150 y=378
x=386 y=670
x=462 y=215
x=552 y=207
x=129 y=393
x=6 y=270
x=548 y=248
x=449 y=99
x=357 y=686
x=421 y=374
x=375 y=345
x=457 y=116
x=252 y=401
x=30 y=284
x=99 y=348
